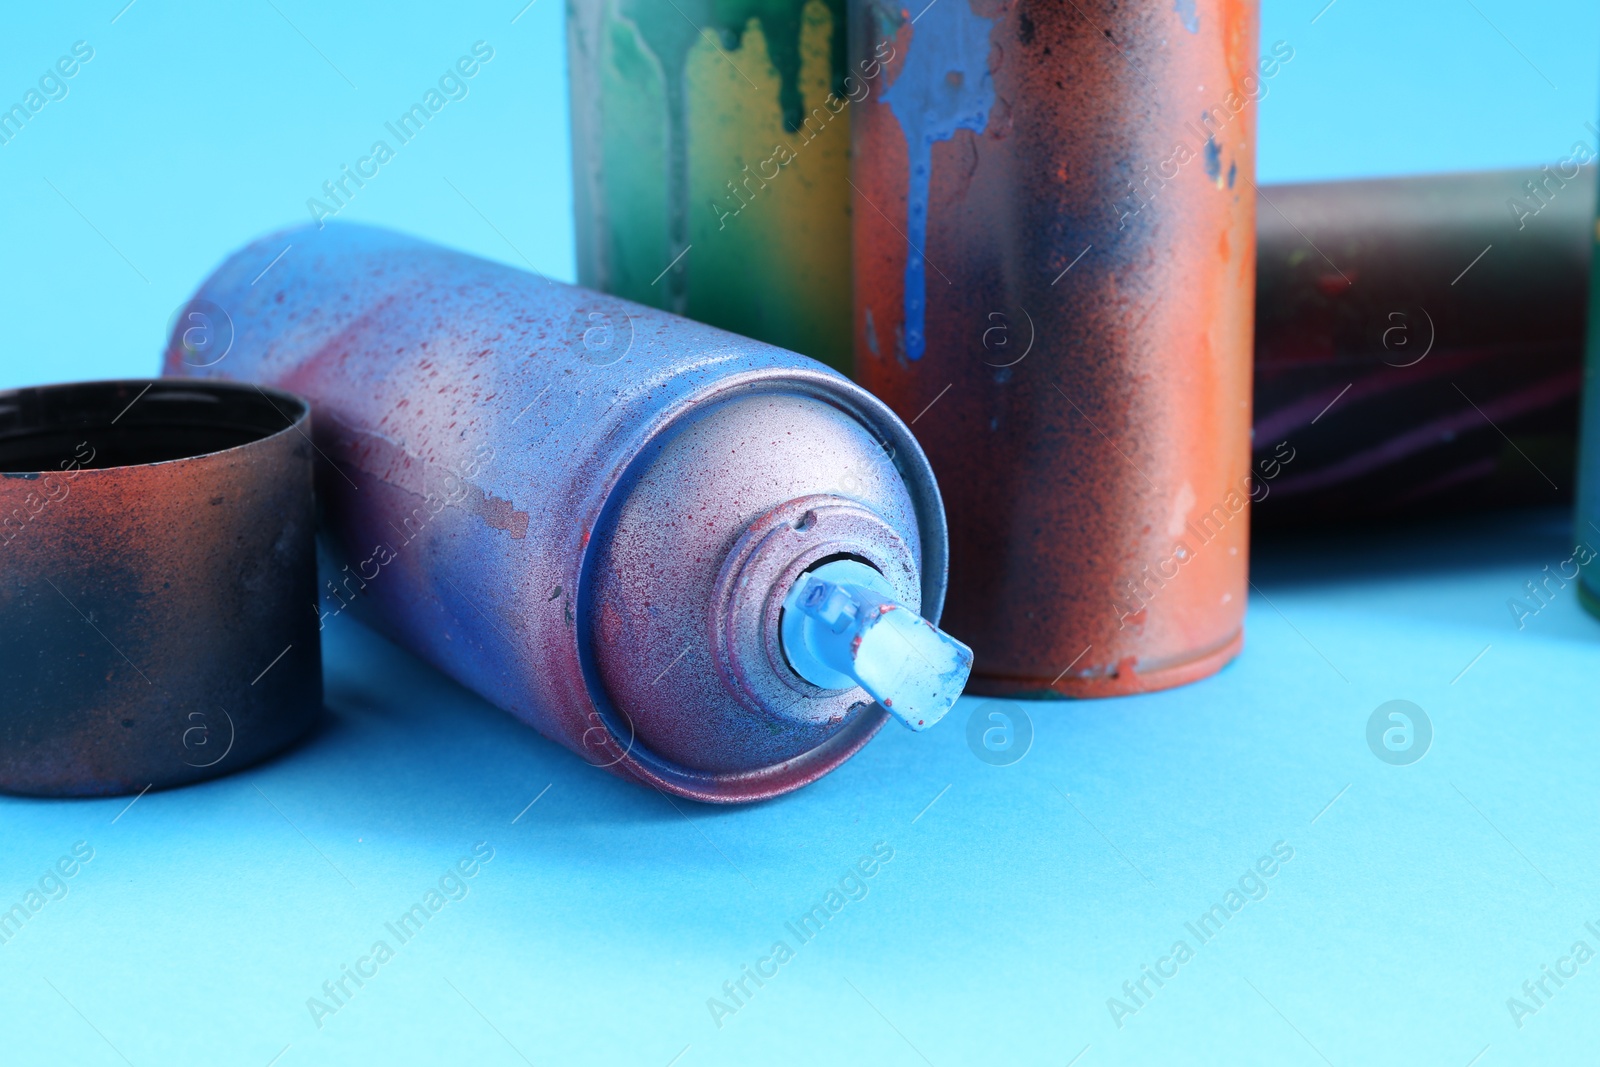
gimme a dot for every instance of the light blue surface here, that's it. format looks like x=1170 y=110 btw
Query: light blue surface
x=1019 y=898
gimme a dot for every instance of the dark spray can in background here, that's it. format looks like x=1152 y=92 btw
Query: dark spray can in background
x=1586 y=551
x=1054 y=269
x=692 y=558
x=1419 y=342
x=711 y=162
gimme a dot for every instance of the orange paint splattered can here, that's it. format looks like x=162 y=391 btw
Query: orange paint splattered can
x=1054 y=228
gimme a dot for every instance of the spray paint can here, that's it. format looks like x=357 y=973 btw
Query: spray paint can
x=711 y=162
x=1586 y=550
x=1419 y=342
x=1054 y=270
x=699 y=561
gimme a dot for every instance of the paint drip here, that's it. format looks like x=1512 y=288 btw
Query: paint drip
x=943 y=87
x=710 y=152
x=1186 y=12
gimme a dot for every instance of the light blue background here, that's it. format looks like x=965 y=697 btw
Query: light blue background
x=1023 y=897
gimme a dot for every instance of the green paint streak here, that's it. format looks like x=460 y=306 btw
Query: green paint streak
x=671 y=29
x=693 y=92
x=637 y=198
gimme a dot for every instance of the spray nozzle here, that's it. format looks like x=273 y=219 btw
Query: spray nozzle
x=843 y=627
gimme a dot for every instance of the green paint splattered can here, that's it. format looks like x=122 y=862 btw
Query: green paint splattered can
x=711 y=156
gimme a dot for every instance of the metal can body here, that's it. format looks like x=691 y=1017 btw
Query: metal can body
x=711 y=163
x=1586 y=550
x=1419 y=342
x=1054 y=257
x=575 y=505
x=156 y=570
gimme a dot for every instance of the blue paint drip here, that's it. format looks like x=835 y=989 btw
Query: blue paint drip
x=1186 y=12
x=1233 y=172
x=943 y=87
x=1213 y=153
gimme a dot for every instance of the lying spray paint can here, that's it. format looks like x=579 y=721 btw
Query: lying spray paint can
x=711 y=162
x=1054 y=257
x=1419 y=341
x=699 y=561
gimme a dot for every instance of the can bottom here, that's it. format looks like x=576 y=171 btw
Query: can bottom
x=1125 y=680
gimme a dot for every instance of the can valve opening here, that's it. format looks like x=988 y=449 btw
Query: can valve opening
x=842 y=627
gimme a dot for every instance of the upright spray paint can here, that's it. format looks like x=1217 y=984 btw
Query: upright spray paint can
x=710 y=155
x=697 y=560
x=1054 y=271
x=1419 y=342
x=1586 y=551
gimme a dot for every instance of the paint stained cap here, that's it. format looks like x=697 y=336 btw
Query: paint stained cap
x=157 y=582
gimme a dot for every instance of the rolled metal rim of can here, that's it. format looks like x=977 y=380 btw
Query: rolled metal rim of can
x=157 y=583
x=619 y=749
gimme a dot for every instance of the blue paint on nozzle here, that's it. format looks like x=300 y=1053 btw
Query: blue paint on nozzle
x=842 y=627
